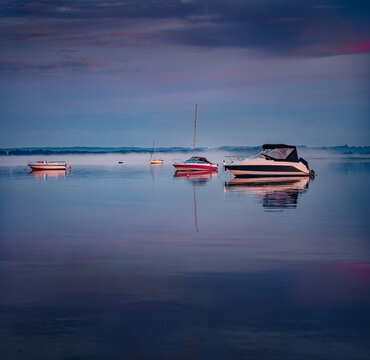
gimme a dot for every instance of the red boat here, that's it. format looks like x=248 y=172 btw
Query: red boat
x=196 y=163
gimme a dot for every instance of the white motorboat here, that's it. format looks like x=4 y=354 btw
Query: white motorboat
x=45 y=165
x=271 y=160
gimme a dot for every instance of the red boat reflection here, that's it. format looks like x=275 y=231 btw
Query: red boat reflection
x=205 y=175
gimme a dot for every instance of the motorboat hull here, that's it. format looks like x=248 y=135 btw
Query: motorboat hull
x=44 y=165
x=195 y=167
x=156 y=162
x=36 y=167
x=263 y=181
x=266 y=169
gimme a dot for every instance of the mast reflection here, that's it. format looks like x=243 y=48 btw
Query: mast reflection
x=196 y=178
x=276 y=193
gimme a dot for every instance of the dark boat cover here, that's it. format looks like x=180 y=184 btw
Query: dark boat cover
x=280 y=152
x=274 y=146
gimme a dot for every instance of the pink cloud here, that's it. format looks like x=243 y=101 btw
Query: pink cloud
x=355 y=49
x=324 y=49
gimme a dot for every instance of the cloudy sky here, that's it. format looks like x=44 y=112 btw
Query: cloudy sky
x=121 y=73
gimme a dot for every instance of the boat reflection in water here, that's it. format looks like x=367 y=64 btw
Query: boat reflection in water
x=45 y=174
x=199 y=177
x=276 y=193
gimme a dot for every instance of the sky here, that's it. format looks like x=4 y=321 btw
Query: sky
x=123 y=73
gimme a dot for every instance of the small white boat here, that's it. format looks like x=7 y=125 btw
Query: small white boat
x=153 y=160
x=45 y=165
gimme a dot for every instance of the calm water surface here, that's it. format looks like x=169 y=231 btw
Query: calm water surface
x=132 y=262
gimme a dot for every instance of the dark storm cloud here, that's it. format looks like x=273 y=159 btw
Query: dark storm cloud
x=282 y=27
x=304 y=28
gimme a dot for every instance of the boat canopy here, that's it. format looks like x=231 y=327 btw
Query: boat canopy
x=197 y=159
x=51 y=162
x=280 y=152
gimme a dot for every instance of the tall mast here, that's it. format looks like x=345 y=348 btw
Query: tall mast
x=153 y=151
x=195 y=127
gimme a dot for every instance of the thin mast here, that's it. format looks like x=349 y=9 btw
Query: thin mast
x=153 y=151
x=195 y=127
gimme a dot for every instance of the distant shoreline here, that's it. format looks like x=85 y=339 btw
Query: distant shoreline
x=343 y=150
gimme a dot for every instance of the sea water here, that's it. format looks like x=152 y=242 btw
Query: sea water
x=130 y=261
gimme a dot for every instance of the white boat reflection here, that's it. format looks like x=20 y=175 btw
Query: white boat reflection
x=45 y=174
x=280 y=192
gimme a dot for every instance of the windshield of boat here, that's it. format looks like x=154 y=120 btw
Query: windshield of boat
x=274 y=154
x=50 y=162
x=197 y=159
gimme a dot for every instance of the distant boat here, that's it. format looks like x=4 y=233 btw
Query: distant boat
x=52 y=165
x=272 y=160
x=195 y=163
x=153 y=160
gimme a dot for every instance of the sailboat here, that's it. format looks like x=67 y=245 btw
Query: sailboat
x=153 y=160
x=195 y=163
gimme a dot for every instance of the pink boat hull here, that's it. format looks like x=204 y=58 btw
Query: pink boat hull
x=47 y=167
x=195 y=167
